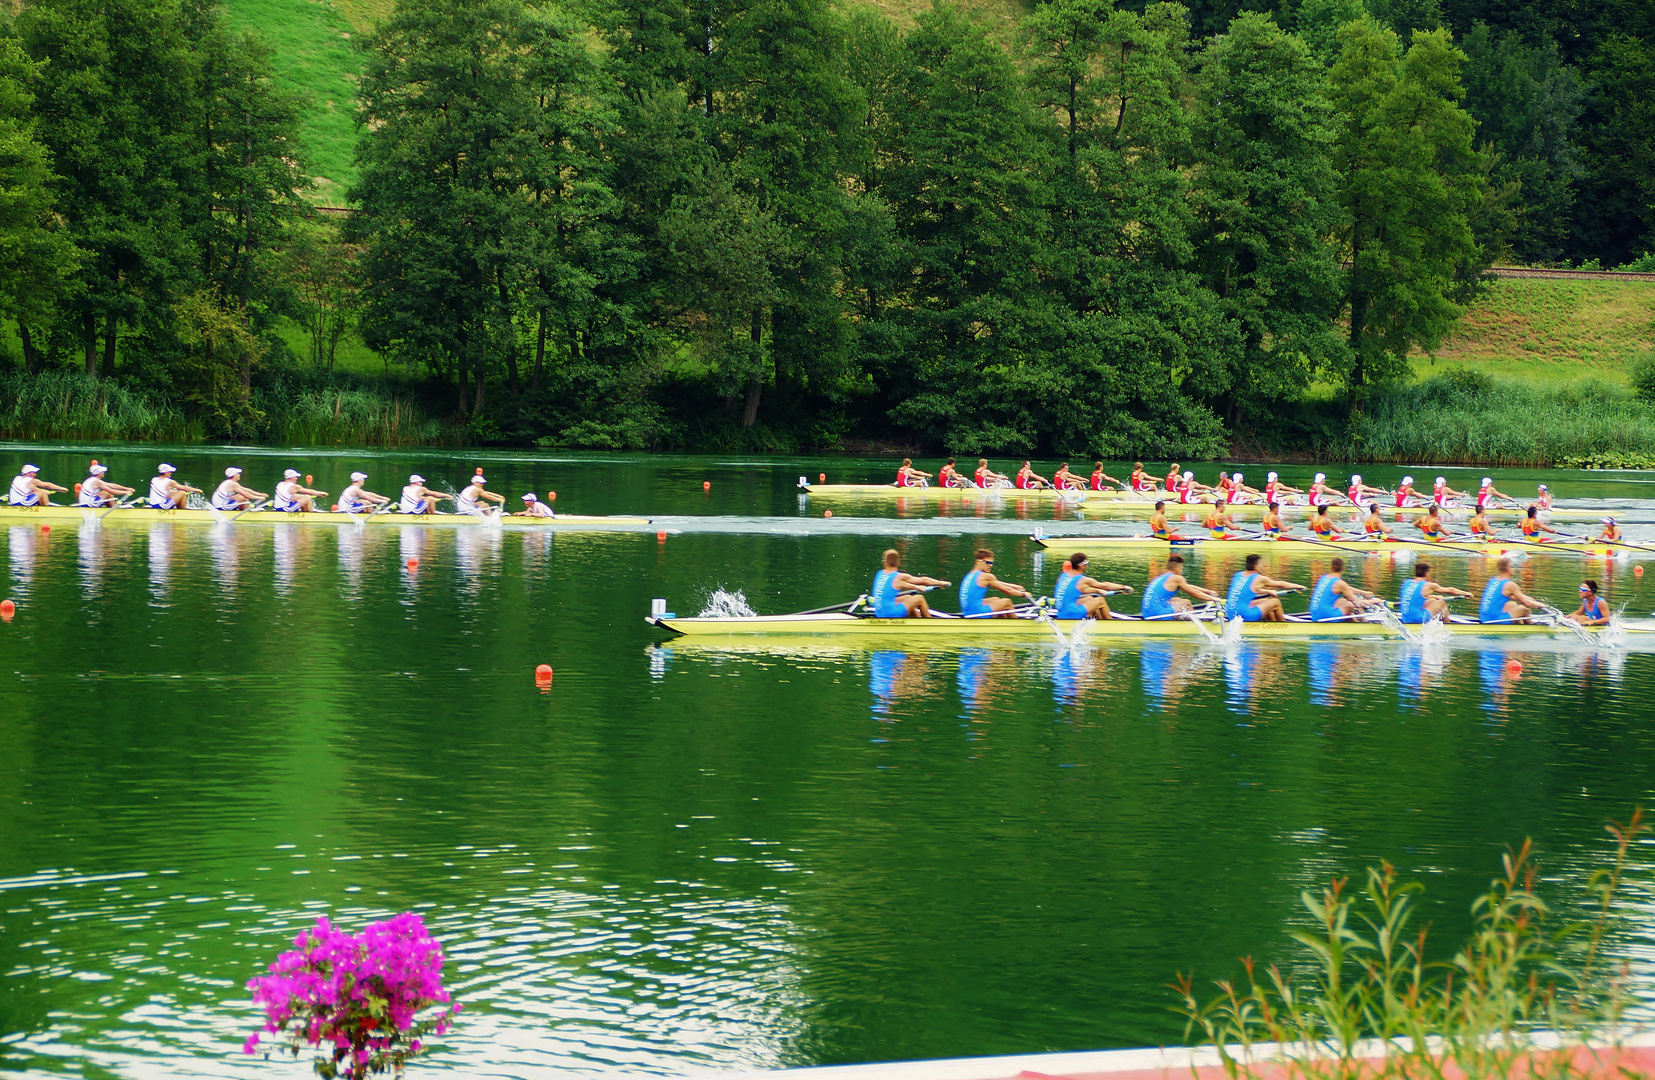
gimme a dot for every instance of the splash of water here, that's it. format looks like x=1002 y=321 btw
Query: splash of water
x=1579 y=631
x=1232 y=632
x=727 y=605
x=1435 y=632
x=1613 y=636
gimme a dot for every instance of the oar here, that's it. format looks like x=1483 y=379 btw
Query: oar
x=833 y=607
x=121 y=505
x=256 y=506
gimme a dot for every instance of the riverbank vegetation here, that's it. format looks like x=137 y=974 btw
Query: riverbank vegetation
x=1109 y=229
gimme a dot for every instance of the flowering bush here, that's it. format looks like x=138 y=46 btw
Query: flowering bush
x=368 y=997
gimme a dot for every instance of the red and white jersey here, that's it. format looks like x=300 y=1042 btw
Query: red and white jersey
x=1544 y=500
x=1022 y=480
x=1483 y=495
x=1270 y=491
x=1186 y=492
x=1402 y=494
x=1172 y=481
x=1437 y=493
x=978 y=475
x=902 y=479
x=1236 y=495
x=1140 y=481
x=1097 y=480
x=1355 y=493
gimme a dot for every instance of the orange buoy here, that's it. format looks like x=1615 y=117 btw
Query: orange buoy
x=7 y=610
x=543 y=674
x=335 y=508
x=309 y=479
x=479 y=471
x=821 y=478
x=827 y=513
x=661 y=536
x=1514 y=667
x=1066 y=566
x=1637 y=571
x=551 y=496
x=45 y=528
x=77 y=487
x=413 y=564
x=706 y=485
x=94 y=461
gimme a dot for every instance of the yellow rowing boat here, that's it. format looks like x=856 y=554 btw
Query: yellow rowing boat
x=1098 y=545
x=138 y=515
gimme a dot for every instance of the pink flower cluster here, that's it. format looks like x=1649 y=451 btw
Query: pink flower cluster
x=365 y=996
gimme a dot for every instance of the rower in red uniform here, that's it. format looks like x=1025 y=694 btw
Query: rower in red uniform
x=1173 y=478
x=1224 y=487
x=1100 y=478
x=908 y=476
x=1359 y=491
x=1029 y=480
x=1487 y=492
x=1137 y=480
x=1322 y=493
x=1189 y=491
x=1441 y=492
x=1533 y=527
x=1240 y=492
x=1274 y=489
x=985 y=477
x=949 y=477
x=1405 y=491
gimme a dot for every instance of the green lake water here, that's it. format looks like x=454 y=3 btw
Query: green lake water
x=680 y=857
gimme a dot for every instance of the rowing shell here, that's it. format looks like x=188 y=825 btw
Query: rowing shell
x=1097 y=545
x=1030 y=629
x=1184 y=511
x=941 y=493
x=138 y=515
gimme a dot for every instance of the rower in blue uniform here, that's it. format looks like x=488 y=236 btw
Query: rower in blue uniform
x=974 y=599
x=895 y=594
x=1161 y=599
x=1503 y=600
x=1256 y=597
x=1334 y=598
x=1422 y=600
x=1076 y=596
x=1592 y=610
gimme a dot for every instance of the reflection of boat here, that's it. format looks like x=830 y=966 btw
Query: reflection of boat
x=1027 y=629
x=938 y=494
x=126 y=515
x=1098 y=545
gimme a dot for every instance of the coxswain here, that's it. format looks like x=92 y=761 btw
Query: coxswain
x=1137 y=479
x=96 y=491
x=231 y=495
x=419 y=499
x=1533 y=527
x=1421 y=599
x=1405 y=491
x=1592 y=610
x=28 y=489
x=475 y=498
x=1161 y=599
x=896 y=595
x=1029 y=480
x=1158 y=527
x=1488 y=492
x=1357 y=491
x=1274 y=489
x=356 y=499
x=1322 y=525
x=1609 y=534
x=165 y=493
x=1323 y=492
x=1271 y=523
x=1430 y=525
x=1219 y=522
x=1441 y=492
x=1479 y=526
x=1076 y=596
x=1374 y=526
x=1224 y=486
x=534 y=508
x=985 y=477
x=975 y=603
x=1543 y=497
x=293 y=497
x=1503 y=600
x=1256 y=597
x=908 y=476
x=949 y=477
x=1334 y=598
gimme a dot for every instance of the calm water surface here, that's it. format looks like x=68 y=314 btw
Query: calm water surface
x=683 y=857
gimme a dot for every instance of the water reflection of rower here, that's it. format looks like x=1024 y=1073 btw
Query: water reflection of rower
x=160 y=561
x=24 y=545
x=1419 y=672
x=894 y=674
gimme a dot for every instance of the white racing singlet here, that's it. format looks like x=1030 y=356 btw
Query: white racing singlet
x=21 y=493
x=160 y=494
x=468 y=502
x=225 y=500
x=89 y=492
x=285 y=496
x=412 y=501
x=351 y=501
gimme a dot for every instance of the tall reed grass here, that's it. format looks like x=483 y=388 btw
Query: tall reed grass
x=67 y=405
x=341 y=416
x=1527 y=996
x=1469 y=418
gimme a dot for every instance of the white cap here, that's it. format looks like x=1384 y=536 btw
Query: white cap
x=1320 y=477
x=1442 y=479
x=31 y=468
x=1356 y=479
x=164 y=467
x=1272 y=476
x=479 y=479
x=358 y=477
x=1407 y=479
x=529 y=497
x=1543 y=487
x=232 y=471
x=416 y=478
x=291 y=474
x=1608 y=521
x=1487 y=482
x=1236 y=478
x=99 y=470
x=1189 y=476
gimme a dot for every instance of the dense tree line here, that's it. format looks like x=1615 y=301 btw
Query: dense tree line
x=1129 y=228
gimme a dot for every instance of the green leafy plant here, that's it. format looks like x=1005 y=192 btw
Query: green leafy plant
x=1520 y=996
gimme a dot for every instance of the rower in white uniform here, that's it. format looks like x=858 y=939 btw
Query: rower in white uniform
x=357 y=499
x=474 y=499
x=28 y=489
x=230 y=495
x=96 y=491
x=533 y=507
x=165 y=493
x=419 y=499
x=293 y=497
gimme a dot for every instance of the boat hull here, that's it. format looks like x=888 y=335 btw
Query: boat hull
x=135 y=515
x=1099 y=545
x=910 y=631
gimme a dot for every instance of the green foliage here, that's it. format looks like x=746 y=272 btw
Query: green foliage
x=1610 y=459
x=1475 y=1013
x=1641 y=377
x=69 y=405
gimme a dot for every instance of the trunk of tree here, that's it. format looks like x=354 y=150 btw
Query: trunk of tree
x=464 y=408
x=109 y=326
x=756 y=386
x=89 y=330
x=31 y=362
x=512 y=384
x=477 y=395
x=539 y=352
